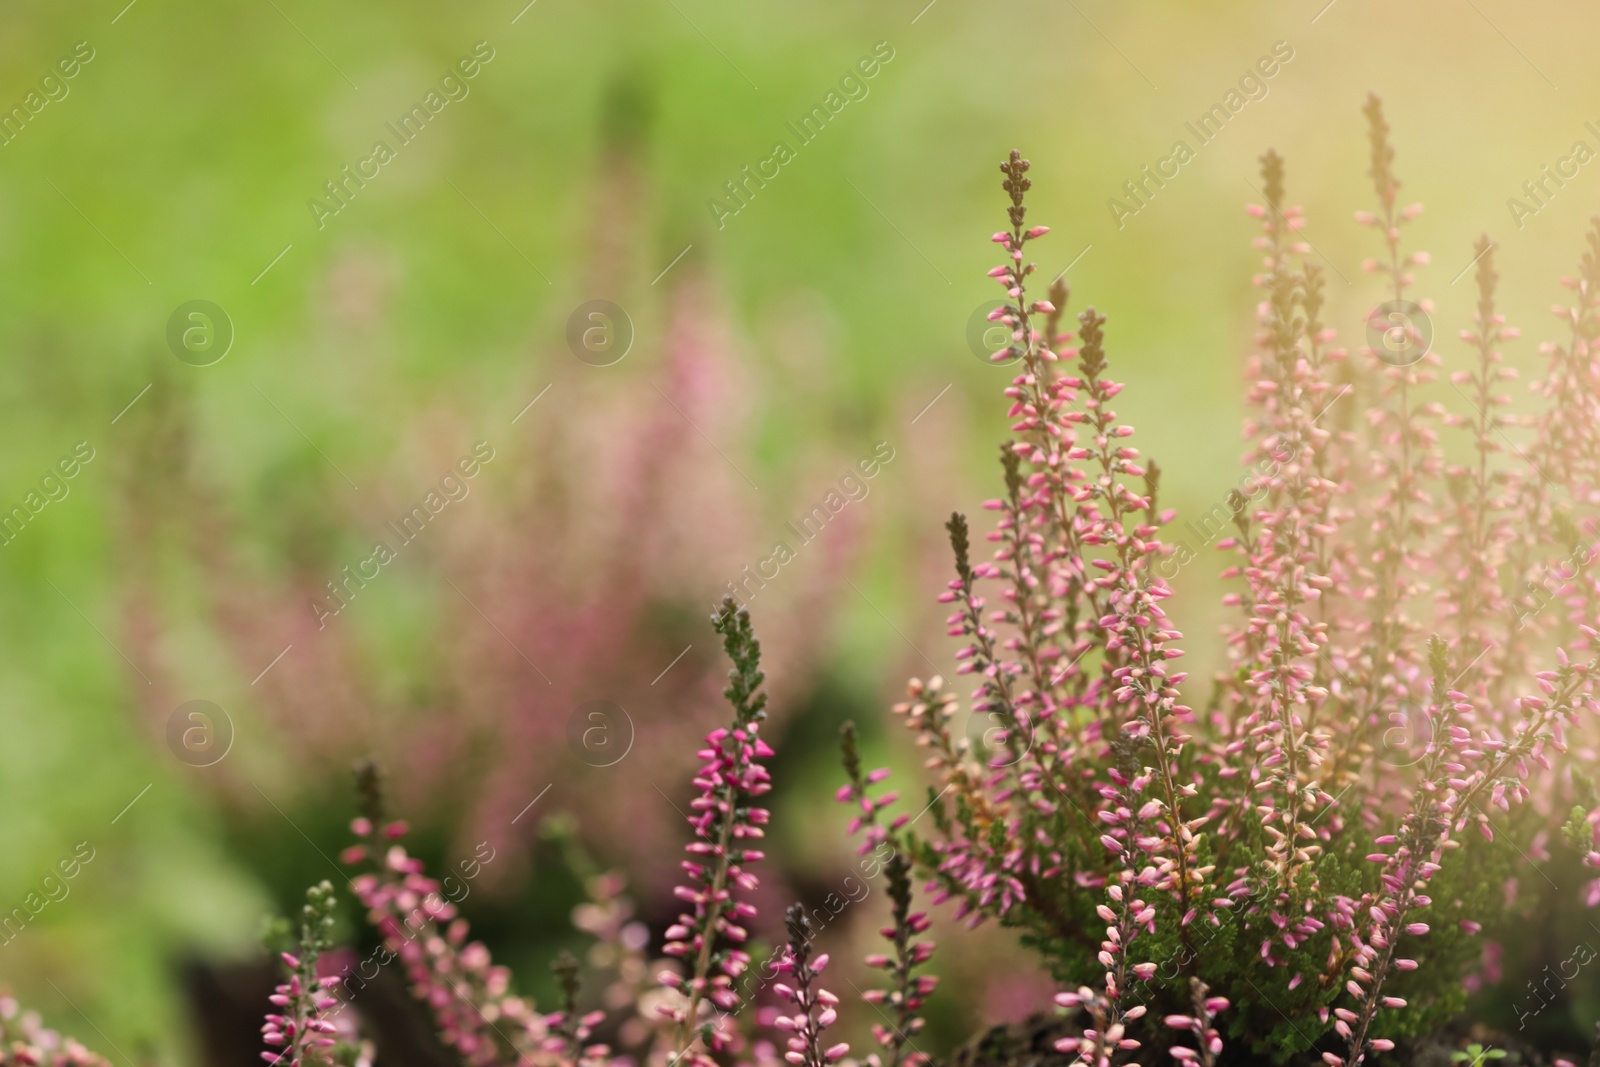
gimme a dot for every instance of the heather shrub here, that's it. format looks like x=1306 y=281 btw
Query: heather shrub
x=1303 y=865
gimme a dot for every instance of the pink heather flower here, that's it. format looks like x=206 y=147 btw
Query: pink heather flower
x=856 y=793
x=1208 y=1042
x=1103 y=1038
x=906 y=993
x=455 y=979
x=726 y=823
x=902 y=1001
x=815 y=1009
x=300 y=1029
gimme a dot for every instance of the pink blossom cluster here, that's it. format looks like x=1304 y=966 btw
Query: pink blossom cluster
x=726 y=823
x=475 y=1009
x=1208 y=1042
x=297 y=1034
x=728 y=778
x=1106 y=1035
x=906 y=992
x=300 y=1031
x=815 y=1009
x=868 y=806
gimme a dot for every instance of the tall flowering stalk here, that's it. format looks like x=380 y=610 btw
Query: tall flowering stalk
x=857 y=792
x=1286 y=564
x=969 y=861
x=475 y=1010
x=1482 y=529
x=906 y=992
x=1568 y=446
x=815 y=1009
x=1562 y=483
x=1295 y=565
x=1403 y=463
x=1107 y=1035
x=300 y=1033
x=1135 y=631
x=457 y=981
x=1208 y=1042
x=726 y=823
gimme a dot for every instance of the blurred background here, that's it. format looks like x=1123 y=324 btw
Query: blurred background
x=373 y=323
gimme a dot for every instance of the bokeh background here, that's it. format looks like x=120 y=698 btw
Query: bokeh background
x=771 y=350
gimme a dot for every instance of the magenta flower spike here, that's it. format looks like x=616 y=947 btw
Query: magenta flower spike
x=727 y=826
x=815 y=1009
x=300 y=1031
